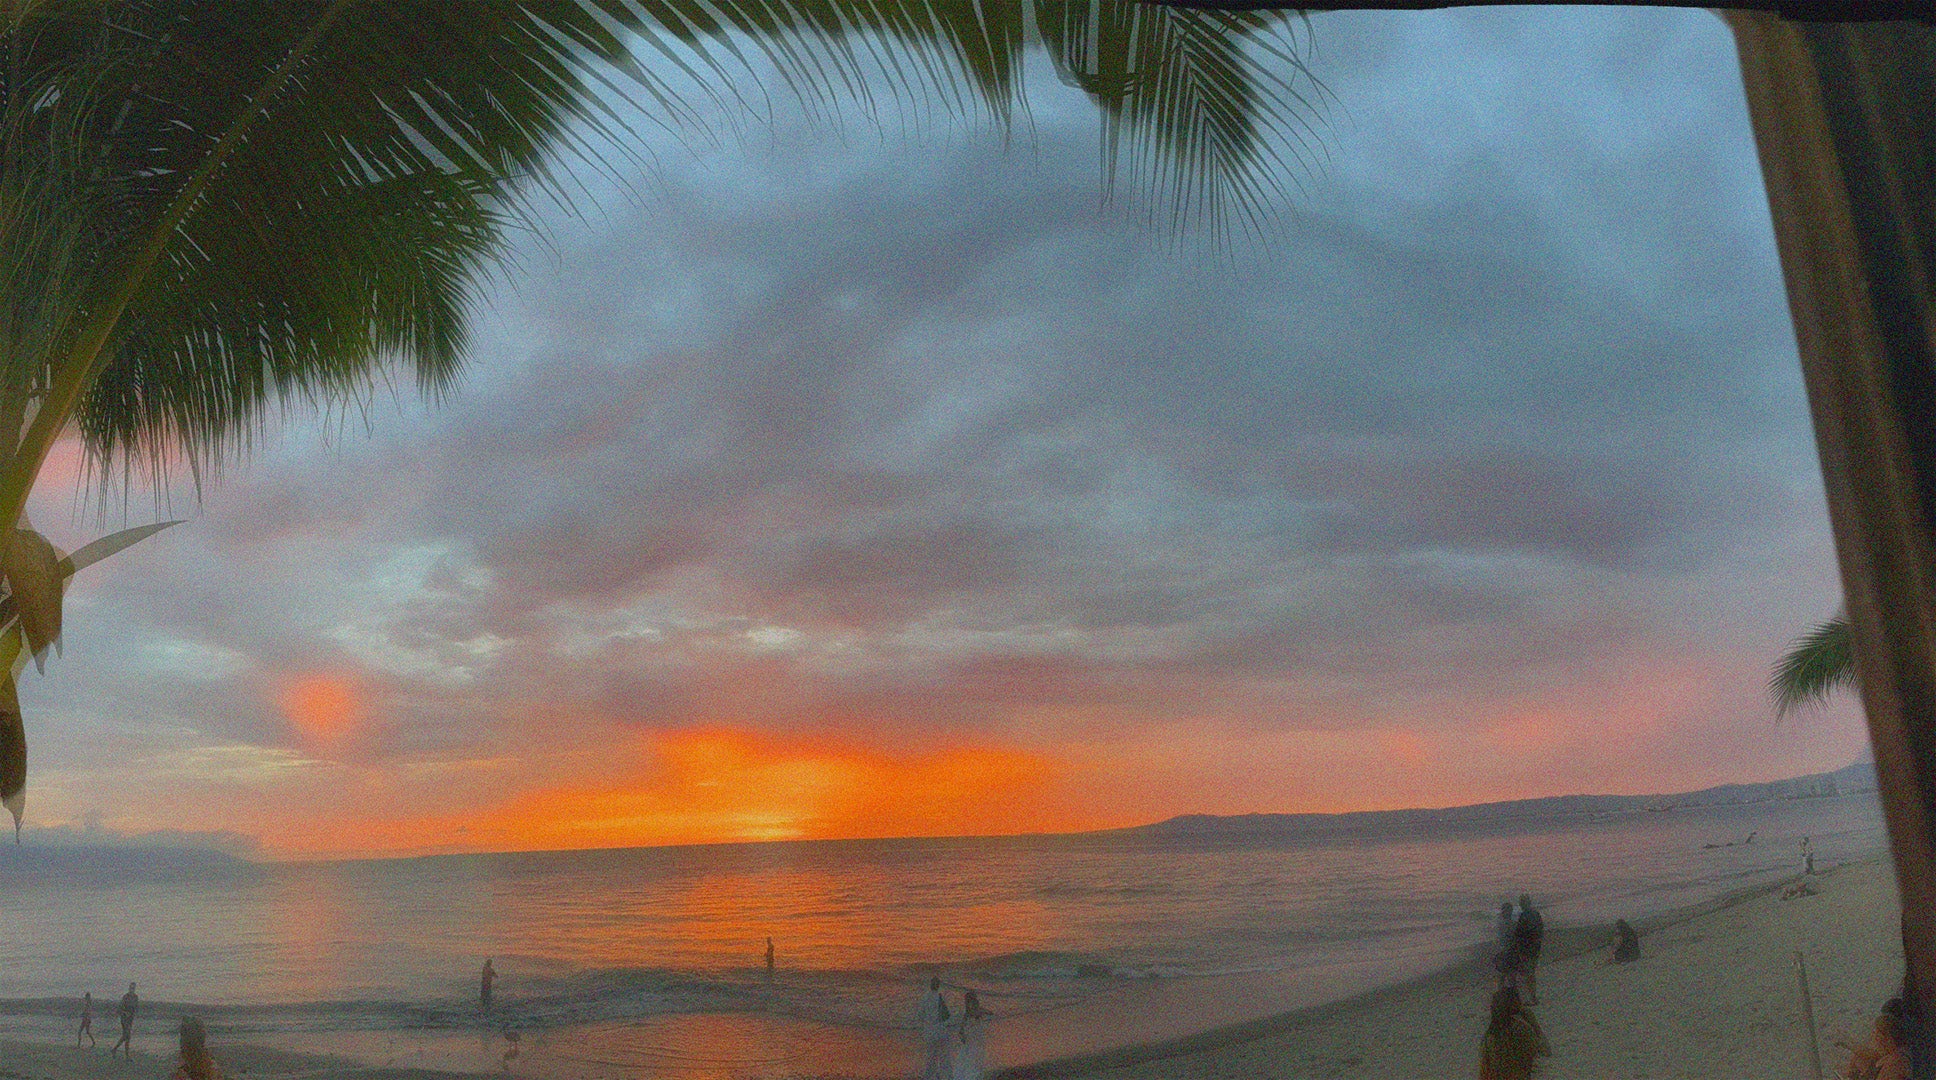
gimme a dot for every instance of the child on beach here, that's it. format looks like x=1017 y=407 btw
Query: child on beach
x=1513 y=1043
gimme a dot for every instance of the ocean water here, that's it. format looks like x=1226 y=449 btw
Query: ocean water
x=649 y=962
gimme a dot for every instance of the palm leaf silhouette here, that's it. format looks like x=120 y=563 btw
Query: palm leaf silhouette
x=1816 y=665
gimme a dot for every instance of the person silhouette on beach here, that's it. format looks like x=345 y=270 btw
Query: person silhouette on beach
x=195 y=1064
x=87 y=1020
x=971 y=1057
x=1510 y=967
x=129 y=1003
x=1513 y=1042
x=933 y=1019
x=769 y=959
x=484 y=986
x=1627 y=949
x=1529 y=933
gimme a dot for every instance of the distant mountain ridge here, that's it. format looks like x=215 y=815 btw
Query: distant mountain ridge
x=80 y=864
x=1851 y=779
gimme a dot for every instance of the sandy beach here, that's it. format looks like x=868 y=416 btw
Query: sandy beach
x=1714 y=994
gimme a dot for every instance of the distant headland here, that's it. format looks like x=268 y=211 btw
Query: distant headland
x=1849 y=780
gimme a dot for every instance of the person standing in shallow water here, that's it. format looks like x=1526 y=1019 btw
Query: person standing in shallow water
x=87 y=1020
x=1529 y=933
x=129 y=1003
x=484 y=987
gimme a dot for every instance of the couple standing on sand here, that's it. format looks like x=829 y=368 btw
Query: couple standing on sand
x=1520 y=938
x=1513 y=1042
x=955 y=1049
x=129 y=1003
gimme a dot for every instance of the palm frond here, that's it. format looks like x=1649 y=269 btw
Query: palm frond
x=353 y=215
x=1816 y=665
x=1210 y=113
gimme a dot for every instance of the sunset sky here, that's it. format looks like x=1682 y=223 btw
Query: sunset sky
x=840 y=481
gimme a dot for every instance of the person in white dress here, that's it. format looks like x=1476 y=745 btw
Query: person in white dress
x=935 y=1034
x=971 y=1056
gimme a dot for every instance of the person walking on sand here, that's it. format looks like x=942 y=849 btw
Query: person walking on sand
x=484 y=987
x=1513 y=1042
x=129 y=1003
x=1529 y=933
x=87 y=1020
x=933 y=1019
x=971 y=1057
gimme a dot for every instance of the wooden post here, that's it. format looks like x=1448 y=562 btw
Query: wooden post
x=1808 y=1014
x=1844 y=118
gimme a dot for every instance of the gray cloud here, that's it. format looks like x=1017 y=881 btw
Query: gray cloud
x=923 y=439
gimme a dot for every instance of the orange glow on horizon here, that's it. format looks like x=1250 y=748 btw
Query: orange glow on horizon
x=722 y=785
x=349 y=787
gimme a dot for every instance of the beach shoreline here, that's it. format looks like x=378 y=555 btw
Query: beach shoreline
x=1714 y=994
x=1717 y=996
x=1563 y=942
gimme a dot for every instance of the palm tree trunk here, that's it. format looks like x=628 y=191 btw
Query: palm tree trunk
x=1845 y=119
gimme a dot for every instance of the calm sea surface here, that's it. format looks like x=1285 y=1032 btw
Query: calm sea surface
x=669 y=942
